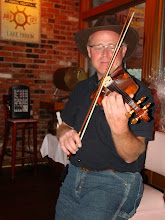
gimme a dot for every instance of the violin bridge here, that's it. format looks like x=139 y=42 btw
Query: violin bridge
x=108 y=81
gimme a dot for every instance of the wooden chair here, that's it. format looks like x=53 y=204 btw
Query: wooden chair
x=152 y=205
x=17 y=124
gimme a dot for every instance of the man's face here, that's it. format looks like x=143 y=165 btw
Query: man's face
x=100 y=55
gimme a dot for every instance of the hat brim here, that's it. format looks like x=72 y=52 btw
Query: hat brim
x=131 y=38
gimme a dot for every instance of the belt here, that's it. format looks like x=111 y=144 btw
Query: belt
x=82 y=168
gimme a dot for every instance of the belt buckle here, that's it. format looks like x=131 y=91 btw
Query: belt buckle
x=87 y=170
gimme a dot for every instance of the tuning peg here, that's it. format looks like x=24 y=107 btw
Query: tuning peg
x=129 y=114
x=146 y=106
x=135 y=120
x=141 y=100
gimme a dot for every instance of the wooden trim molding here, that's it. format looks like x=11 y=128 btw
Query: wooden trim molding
x=85 y=5
x=152 y=39
x=108 y=8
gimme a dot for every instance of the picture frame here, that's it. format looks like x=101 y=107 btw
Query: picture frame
x=20 y=20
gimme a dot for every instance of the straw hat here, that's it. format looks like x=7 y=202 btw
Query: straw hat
x=107 y=22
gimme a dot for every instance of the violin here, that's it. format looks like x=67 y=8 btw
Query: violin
x=121 y=82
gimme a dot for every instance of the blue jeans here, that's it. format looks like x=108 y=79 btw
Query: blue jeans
x=103 y=195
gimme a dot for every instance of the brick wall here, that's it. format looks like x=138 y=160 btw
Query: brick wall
x=35 y=64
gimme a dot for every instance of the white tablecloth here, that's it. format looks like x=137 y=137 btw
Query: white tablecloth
x=51 y=148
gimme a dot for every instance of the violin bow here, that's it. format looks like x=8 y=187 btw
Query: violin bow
x=118 y=45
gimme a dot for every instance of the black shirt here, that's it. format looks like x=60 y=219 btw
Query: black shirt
x=98 y=151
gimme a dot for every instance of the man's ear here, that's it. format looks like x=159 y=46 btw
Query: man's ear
x=89 y=51
x=124 y=50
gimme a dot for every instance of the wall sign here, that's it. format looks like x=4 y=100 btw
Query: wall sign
x=20 y=20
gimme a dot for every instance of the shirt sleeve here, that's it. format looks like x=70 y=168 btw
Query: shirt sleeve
x=144 y=129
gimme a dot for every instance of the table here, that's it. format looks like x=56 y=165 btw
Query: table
x=51 y=148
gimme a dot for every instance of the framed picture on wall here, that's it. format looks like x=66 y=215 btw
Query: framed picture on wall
x=20 y=20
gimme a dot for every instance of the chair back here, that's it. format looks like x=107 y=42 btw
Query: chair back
x=155 y=156
x=6 y=106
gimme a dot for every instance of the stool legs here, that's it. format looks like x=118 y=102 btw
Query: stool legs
x=14 y=150
x=23 y=144
x=14 y=135
x=6 y=137
x=35 y=146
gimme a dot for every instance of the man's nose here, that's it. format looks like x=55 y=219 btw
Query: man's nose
x=105 y=51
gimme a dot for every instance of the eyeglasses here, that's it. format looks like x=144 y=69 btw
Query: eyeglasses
x=100 y=47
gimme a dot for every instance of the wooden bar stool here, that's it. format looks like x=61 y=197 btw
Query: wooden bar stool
x=18 y=124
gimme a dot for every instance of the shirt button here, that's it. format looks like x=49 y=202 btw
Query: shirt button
x=79 y=160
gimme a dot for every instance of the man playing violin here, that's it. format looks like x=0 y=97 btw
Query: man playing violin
x=103 y=180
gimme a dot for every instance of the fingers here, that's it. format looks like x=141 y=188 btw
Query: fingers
x=70 y=142
x=113 y=102
x=115 y=109
x=115 y=112
x=127 y=107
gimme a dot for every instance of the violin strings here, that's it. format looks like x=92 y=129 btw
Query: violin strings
x=116 y=88
x=126 y=97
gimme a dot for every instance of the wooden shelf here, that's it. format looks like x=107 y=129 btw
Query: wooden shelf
x=52 y=105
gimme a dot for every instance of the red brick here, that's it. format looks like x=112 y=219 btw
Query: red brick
x=47 y=5
x=53 y=10
x=46 y=57
x=15 y=48
x=57 y=50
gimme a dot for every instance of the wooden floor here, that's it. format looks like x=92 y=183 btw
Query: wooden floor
x=30 y=197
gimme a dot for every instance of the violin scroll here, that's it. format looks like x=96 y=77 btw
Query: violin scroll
x=141 y=113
